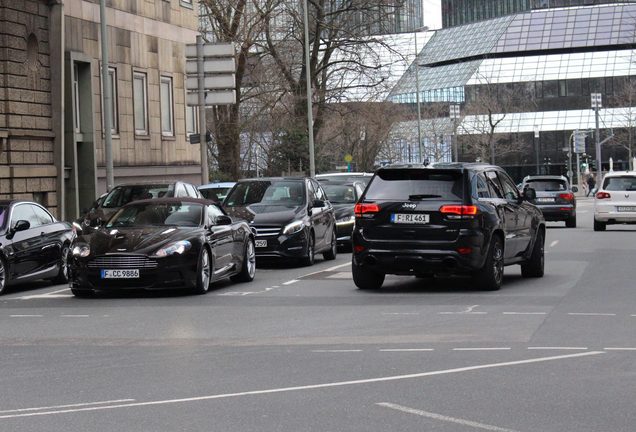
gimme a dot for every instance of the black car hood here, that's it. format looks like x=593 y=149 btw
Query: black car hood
x=142 y=240
x=259 y=214
x=343 y=210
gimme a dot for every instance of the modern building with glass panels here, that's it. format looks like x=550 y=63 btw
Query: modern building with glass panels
x=534 y=72
x=459 y=12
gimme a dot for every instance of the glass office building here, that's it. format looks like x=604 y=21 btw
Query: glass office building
x=534 y=72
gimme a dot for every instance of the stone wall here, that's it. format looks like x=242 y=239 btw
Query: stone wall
x=27 y=169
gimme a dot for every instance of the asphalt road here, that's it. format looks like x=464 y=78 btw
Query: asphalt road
x=301 y=349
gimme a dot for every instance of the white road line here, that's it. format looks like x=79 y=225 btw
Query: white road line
x=557 y=348
x=525 y=313
x=483 y=349
x=337 y=267
x=463 y=313
x=554 y=243
x=309 y=387
x=620 y=349
x=75 y=316
x=591 y=314
x=66 y=406
x=47 y=294
x=26 y=316
x=293 y=281
x=444 y=418
x=406 y=350
x=400 y=313
x=336 y=351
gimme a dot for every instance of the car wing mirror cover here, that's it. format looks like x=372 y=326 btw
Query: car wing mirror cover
x=21 y=225
x=529 y=194
x=223 y=220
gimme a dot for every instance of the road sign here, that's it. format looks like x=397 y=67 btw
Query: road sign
x=212 y=65
x=348 y=158
x=454 y=112
x=597 y=100
x=579 y=142
x=223 y=97
x=214 y=82
x=211 y=50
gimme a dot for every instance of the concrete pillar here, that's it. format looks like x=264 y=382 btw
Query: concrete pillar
x=56 y=41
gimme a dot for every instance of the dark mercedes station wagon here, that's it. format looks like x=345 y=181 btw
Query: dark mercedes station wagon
x=446 y=219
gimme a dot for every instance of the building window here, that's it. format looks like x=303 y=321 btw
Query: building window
x=192 y=124
x=76 y=99
x=140 y=102
x=112 y=75
x=186 y=3
x=167 y=111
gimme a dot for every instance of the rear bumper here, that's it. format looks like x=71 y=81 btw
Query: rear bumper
x=615 y=217
x=558 y=212
x=408 y=257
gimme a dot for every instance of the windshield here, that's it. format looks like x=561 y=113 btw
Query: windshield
x=411 y=184
x=546 y=185
x=364 y=179
x=161 y=214
x=624 y=183
x=122 y=195
x=287 y=193
x=215 y=194
x=340 y=194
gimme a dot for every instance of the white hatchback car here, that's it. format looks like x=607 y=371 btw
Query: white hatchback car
x=615 y=200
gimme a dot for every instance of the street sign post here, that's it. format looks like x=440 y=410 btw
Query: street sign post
x=210 y=80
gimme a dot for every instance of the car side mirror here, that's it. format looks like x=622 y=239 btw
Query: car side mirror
x=94 y=223
x=575 y=189
x=529 y=194
x=319 y=204
x=21 y=225
x=223 y=220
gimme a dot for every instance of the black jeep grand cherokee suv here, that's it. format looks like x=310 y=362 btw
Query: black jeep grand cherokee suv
x=459 y=218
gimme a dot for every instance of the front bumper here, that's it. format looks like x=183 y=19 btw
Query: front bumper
x=283 y=245
x=171 y=272
x=411 y=257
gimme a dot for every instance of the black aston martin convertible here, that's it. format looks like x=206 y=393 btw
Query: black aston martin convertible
x=163 y=244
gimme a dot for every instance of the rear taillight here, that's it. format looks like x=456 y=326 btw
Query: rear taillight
x=459 y=210
x=365 y=208
x=603 y=195
x=567 y=196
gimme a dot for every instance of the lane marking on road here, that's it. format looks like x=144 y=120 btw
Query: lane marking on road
x=66 y=406
x=591 y=314
x=336 y=351
x=400 y=313
x=483 y=349
x=554 y=243
x=74 y=316
x=26 y=316
x=293 y=281
x=620 y=349
x=339 y=266
x=308 y=387
x=557 y=348
x=525 y=313
x=463 y=313
x=444 y=418
x=406 y=349
x=50 y=294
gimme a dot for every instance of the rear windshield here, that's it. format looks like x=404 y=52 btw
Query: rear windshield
x=625 y=183
x=122 y=195
x=286 y=193
x=411 y=184
x=547 y=185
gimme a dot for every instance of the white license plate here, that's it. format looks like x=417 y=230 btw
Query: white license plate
x=120 y=274
x=410 y=218
x=626 y=209
x=545 y=200
x=261 y=243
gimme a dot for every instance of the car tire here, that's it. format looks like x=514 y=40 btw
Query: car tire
x=3 y=276
x=203 y=272
x=63 y=275
x=248 y=269
x=82 y=293
x=490 y=276
x=331 y=254
x=310 y=258
x=571 y=222
x=599 y=226
x=534 y=267
x=365 y=278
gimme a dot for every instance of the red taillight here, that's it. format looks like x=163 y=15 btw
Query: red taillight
x=460 y=210
x=465 y=250
x=358 y=248
x=603 y=195
x=365 y=208
x=567 y=196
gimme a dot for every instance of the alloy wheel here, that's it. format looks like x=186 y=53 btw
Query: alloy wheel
x=497 y=262
x=205 y=269
x=2 y=276
x=250 y=256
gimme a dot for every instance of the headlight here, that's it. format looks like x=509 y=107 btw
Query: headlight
x=294 y=227
x=83 y=250
x=174 y=248
x=346 y=220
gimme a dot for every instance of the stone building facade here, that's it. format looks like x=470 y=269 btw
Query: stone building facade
x=50 y=97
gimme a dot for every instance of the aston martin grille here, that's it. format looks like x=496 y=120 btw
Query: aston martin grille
x=122 y=262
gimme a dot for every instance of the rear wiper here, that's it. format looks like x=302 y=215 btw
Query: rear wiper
x=422 y=196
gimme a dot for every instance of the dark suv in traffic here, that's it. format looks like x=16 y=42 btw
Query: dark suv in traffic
x=446 y=219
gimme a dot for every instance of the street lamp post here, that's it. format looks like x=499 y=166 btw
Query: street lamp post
x=597 y=103
x=107 y=102
x=417 y=96
x=536 y=148
x=454 y=115
x=310 y=114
